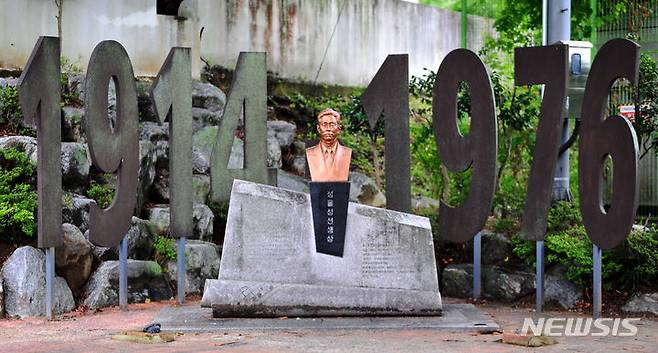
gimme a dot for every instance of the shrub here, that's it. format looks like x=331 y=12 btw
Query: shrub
x=101 y=193
x=18 y=200
x=10 y=109
x=165 y=249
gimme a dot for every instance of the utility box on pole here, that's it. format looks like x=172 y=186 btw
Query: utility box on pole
x=580 y=61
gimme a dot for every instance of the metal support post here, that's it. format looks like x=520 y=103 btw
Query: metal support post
x=50 y=280
x=539 y=277
x=596 y=290
x=123 y=274
x=181 y=274
x=477 y=266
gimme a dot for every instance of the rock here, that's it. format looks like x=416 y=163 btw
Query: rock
x=203 y=117
x=25 y=144
x=201 y=188
x=498 y=284
x=144 y=103
x=292 y=182
x=140 y=237
x=506 y=285
x=73 y=128
x=203 y=142
x=458 y=281
x=74 y=258
x=147 y=157
x=283 y=131
x=388 y=264
x=202 y=216
x=425 y=203
x=207 y=96
x=24 y=282
x=76 y=162
x=273 y=152
x=201 y=263
x=145 y=280
x=75 y=210
x=559 y=290
x=642 y=303
x=496 y=248
x=153 y=131
x=363 y=190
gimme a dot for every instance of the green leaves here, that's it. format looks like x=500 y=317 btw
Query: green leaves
x=18 y=199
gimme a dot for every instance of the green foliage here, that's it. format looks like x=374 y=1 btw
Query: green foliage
x=10 y=109
x=634 y=263
x=103 y=194
x=69 y=88
x=165 y=249
x=18 y=201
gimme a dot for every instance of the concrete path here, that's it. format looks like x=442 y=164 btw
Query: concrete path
x=92 y=332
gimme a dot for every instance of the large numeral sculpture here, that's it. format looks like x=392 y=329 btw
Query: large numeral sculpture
x=388 y=93
x=478 y=150
x=171 y=94
x=248 y=95
x=39 y=95
x=546 y=65
x=112 y=149
x=613 y=136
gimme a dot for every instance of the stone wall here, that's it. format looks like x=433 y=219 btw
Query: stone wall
x=295 y=33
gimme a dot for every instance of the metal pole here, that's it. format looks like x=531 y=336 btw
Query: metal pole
x=477 y=265
x=50 y=280
x=539 y=277
x=596 y=290
x=180 y=259
x=123 y=274
x=464 y=24
x=558 y=20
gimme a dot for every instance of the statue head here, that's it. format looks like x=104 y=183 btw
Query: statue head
x=328 y=126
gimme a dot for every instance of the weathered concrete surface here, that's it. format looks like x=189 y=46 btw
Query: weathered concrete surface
x=269 y=266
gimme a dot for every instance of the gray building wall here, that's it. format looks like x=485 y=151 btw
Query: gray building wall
x=295 y=33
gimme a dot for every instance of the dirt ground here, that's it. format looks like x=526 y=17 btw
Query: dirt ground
x=93 y=331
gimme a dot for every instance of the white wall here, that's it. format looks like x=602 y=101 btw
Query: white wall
x=295 y=33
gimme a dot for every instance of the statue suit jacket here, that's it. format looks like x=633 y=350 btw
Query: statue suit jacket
x=339 y=171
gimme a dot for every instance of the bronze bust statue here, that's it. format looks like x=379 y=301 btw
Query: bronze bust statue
x=328 y=160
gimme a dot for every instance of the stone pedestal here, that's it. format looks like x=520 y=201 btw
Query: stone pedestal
x=270 y=267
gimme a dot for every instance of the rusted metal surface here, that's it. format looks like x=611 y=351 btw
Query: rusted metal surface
x=613 y=136
x=39 y=95
x=546 y=65
x=113 y=149
x=388 y=94
x=477 y=150
x=248 y=95
x=171 y=94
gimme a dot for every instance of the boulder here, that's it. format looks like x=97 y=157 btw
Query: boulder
x=201 y=188
x=160 y=188
x=642 y=303
x=273 y=152
x=147 y=157
x=73 y=128
x=294 y=158
x=558 y=290
x=75 y=210
x=145 y=280
x=283 y=131
x=201 y=263
x=24 y=282
x=74 y=259
x=202 y=117
x=496 y=248
x=76 y=162
x=425 y=203
x=364 y=190
x=25 y=144
x=140 y=236
x=498 y=283
x=202 y=216
x=207 y=96
x=144 y=103
x=203 y=142
x=292 y=182
x=153 y=131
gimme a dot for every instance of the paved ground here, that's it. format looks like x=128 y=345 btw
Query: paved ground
x=92 y=332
